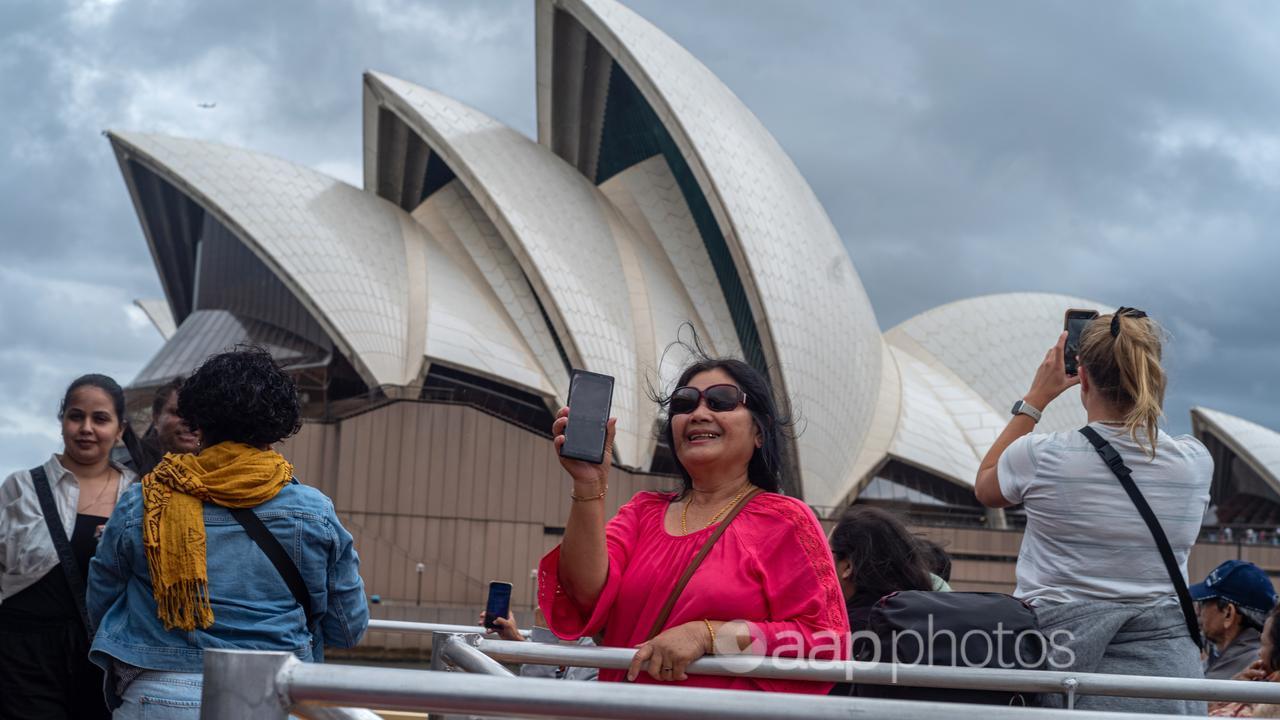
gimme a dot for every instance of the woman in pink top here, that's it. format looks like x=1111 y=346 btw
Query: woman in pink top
x=768 y=585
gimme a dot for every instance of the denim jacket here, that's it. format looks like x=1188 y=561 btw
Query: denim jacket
x=253 y=608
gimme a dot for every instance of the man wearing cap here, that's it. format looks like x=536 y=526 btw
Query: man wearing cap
x=1234 y=602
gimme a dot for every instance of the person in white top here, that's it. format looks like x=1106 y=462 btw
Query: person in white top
x=1089 y=564
x=44 y=645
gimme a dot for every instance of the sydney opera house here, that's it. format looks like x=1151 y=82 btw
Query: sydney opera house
x=431 y=316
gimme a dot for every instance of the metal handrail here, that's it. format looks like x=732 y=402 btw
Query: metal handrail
x=458 y=650
x=1030 y=681
x=417 y=628
x=248 y=685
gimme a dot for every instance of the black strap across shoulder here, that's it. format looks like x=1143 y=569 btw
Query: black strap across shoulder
x=61 y=545
x=1122 y=472
x=276 y=553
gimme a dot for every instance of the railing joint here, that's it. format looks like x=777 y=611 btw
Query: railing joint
x=1071 y=685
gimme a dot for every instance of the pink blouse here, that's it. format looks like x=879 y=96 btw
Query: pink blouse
x=772 y=566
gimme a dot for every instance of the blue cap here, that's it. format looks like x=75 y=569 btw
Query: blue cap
x=1240 y=583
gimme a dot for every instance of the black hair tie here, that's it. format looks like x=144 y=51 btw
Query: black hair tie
x=1115 y=318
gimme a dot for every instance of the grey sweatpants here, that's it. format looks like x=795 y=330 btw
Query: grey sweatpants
x=1122 y=639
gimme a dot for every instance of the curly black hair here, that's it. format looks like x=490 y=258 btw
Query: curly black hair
x=241 y=396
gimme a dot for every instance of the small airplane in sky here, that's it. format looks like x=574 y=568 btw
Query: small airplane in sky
x=207 y=105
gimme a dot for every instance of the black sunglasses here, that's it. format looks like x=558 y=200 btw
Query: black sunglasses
x=720 y=398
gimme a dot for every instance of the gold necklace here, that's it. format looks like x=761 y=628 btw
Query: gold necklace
x=684 y=514
x=102 y=492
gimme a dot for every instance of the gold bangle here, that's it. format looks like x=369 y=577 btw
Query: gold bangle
x=713 y=637
x=575 y=498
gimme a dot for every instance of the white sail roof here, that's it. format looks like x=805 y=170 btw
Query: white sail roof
x=813 y=317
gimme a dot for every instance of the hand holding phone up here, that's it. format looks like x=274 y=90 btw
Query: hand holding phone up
x=1051 y=377
x=584 y=432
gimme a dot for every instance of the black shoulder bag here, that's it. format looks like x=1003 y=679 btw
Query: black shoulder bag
x=1122 y=472
x=61 y=545
x=276 y=553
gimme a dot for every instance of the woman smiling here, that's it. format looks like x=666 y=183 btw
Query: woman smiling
x=44 y=643
x=756 y=570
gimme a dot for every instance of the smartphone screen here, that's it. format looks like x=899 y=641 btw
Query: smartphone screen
x=499 y=603
x=1076 y=322
x=590 y=399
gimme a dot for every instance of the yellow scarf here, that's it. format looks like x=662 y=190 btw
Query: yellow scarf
x=229 y=474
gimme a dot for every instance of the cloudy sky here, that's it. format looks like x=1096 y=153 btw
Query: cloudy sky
x=1127 y=151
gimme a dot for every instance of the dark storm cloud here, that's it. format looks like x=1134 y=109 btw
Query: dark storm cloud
x=286 y=79
x=1127 y=152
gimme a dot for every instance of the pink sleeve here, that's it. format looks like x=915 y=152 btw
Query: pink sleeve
x=800 y=585
x=564 y=617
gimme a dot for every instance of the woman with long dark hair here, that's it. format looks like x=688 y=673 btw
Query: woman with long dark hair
x=876 y=555
x=44 y=642
x=766 y=585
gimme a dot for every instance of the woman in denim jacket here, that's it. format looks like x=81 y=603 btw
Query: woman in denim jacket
x=175 y=573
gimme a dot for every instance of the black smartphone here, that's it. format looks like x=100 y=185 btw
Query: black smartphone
x=499 y=603
x=590 y=399
x=1075 y=323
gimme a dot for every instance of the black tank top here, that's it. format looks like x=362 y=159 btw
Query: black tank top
x=49 y=599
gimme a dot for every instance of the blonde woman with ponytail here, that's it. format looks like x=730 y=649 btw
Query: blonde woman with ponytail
x=1089 y=564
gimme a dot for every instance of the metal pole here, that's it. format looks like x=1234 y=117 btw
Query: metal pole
x=417 y=690
x=400 y=626
x=245 y=685
x=319 y=712
x=460 y=650
x=1042 y=681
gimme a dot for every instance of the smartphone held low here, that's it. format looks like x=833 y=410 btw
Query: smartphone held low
x=499 y=603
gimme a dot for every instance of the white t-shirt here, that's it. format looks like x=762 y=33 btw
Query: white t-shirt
x=1084 y=538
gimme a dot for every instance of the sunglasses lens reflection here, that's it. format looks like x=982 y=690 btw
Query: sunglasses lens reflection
x=722 y=398
x=683 y=400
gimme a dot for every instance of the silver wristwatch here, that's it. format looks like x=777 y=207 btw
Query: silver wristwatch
x=1022 y=407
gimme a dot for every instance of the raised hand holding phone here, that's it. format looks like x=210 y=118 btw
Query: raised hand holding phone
x=584 y=433
x=1051 y=377
x=584 y=473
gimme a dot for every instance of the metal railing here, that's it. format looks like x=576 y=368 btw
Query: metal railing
x=448 y=650
x=249 y=685
x=1070 y=684
x=417 y=628
x=264 y=685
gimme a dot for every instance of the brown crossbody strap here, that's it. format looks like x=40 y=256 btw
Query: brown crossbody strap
x=695 y=562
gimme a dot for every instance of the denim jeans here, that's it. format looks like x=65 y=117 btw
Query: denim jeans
x=157 y=695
